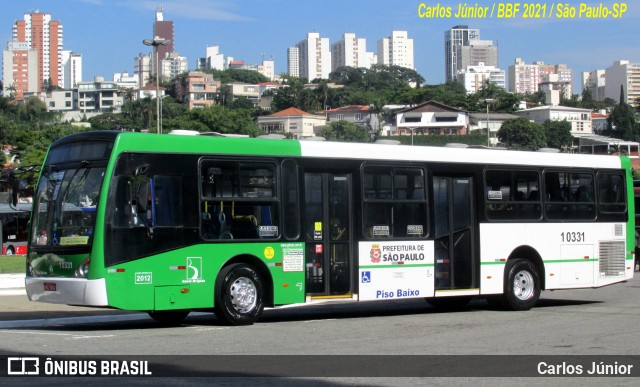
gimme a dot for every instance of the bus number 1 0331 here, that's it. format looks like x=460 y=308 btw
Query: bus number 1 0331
x=571 y=236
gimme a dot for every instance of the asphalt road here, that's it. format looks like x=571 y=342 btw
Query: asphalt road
x=601 y=321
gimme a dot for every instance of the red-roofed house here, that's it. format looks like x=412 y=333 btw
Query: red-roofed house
x=294 y=121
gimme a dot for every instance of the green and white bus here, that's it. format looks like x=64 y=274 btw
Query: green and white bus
x=169 y=224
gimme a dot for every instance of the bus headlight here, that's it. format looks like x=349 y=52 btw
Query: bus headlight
x=83 y=270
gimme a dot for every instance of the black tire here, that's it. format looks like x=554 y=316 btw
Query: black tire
x=10 y=251
x=239 y=295
x=449 y=303
x=521 y=285
x=169 y=317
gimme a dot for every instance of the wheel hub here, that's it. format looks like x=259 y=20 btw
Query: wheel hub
x=523 y=285
x=243 y=295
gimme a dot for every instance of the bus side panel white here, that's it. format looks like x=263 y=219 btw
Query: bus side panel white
x=392 y=270
x=497 y=242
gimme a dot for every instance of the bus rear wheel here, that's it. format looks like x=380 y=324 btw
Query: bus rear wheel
x=522 y=285
x=239 y=295
x=10 y=251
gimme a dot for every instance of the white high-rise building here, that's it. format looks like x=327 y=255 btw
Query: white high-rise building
x=19 y=69
x=142 y=68
x=293 y=61
x=350 y=51
x=474 y=77
x=523 y=78
x=268 y=69
x=594 y=81
x=314 y=57
x=172 y=66
x=396 y=50
x=454 y=39
x=213 y=59
x=626 y=75
x=72 y=69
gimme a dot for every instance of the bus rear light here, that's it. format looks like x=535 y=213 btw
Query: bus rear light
x=83 y=270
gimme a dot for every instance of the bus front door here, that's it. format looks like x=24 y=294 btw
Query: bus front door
x=328 y=234
x=454 y=233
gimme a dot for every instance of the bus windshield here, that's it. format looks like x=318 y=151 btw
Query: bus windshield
x=65 y=206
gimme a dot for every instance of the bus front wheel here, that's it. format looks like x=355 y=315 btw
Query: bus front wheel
x=239 y=295
x=522 y=285
x=10 y=251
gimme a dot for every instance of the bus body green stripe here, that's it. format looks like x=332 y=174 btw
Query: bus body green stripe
x=137 y=142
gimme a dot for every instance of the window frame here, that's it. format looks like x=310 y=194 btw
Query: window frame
x=393 y=202
x=275 y=200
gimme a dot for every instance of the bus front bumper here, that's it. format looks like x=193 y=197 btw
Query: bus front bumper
x=70 y=291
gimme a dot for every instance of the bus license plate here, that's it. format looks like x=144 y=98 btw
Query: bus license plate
x=49 y=286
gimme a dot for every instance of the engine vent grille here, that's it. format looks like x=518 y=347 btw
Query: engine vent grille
x=612 y=258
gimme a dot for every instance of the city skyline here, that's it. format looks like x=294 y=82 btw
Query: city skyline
x=109 y=34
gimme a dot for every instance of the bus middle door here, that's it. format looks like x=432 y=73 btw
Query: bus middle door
x=328 y=233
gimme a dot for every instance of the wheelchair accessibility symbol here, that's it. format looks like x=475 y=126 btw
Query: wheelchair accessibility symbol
x=365 y=277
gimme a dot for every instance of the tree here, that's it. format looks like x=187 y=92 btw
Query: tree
x=519 y=133
x=558 y=134
x=622 y=120
x=344 y=131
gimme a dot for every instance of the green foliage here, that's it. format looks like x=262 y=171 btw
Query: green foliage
x=344 y=131
x=622 y=122
x=558 y=134
x=219 y=119
x=519 y=133
x=237 y=75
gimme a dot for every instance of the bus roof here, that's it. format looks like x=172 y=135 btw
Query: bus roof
x=143 y=142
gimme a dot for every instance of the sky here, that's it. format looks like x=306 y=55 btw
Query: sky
x=109 y=33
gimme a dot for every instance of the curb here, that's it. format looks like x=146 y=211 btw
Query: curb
x=12 y=284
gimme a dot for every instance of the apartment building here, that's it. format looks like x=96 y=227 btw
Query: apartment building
x=396 y=50
x=454 y=39
x=594 y=81
x=196 y=89
x=236 y=90
x=523 y=78
x=528 y=78
x=99 y=96
x=293 y=62
x=474 y=77
x=20 y=69
x=349 y=51
x=72 y=69
x=626 y=76
x=314 y=57
x=44 y=35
